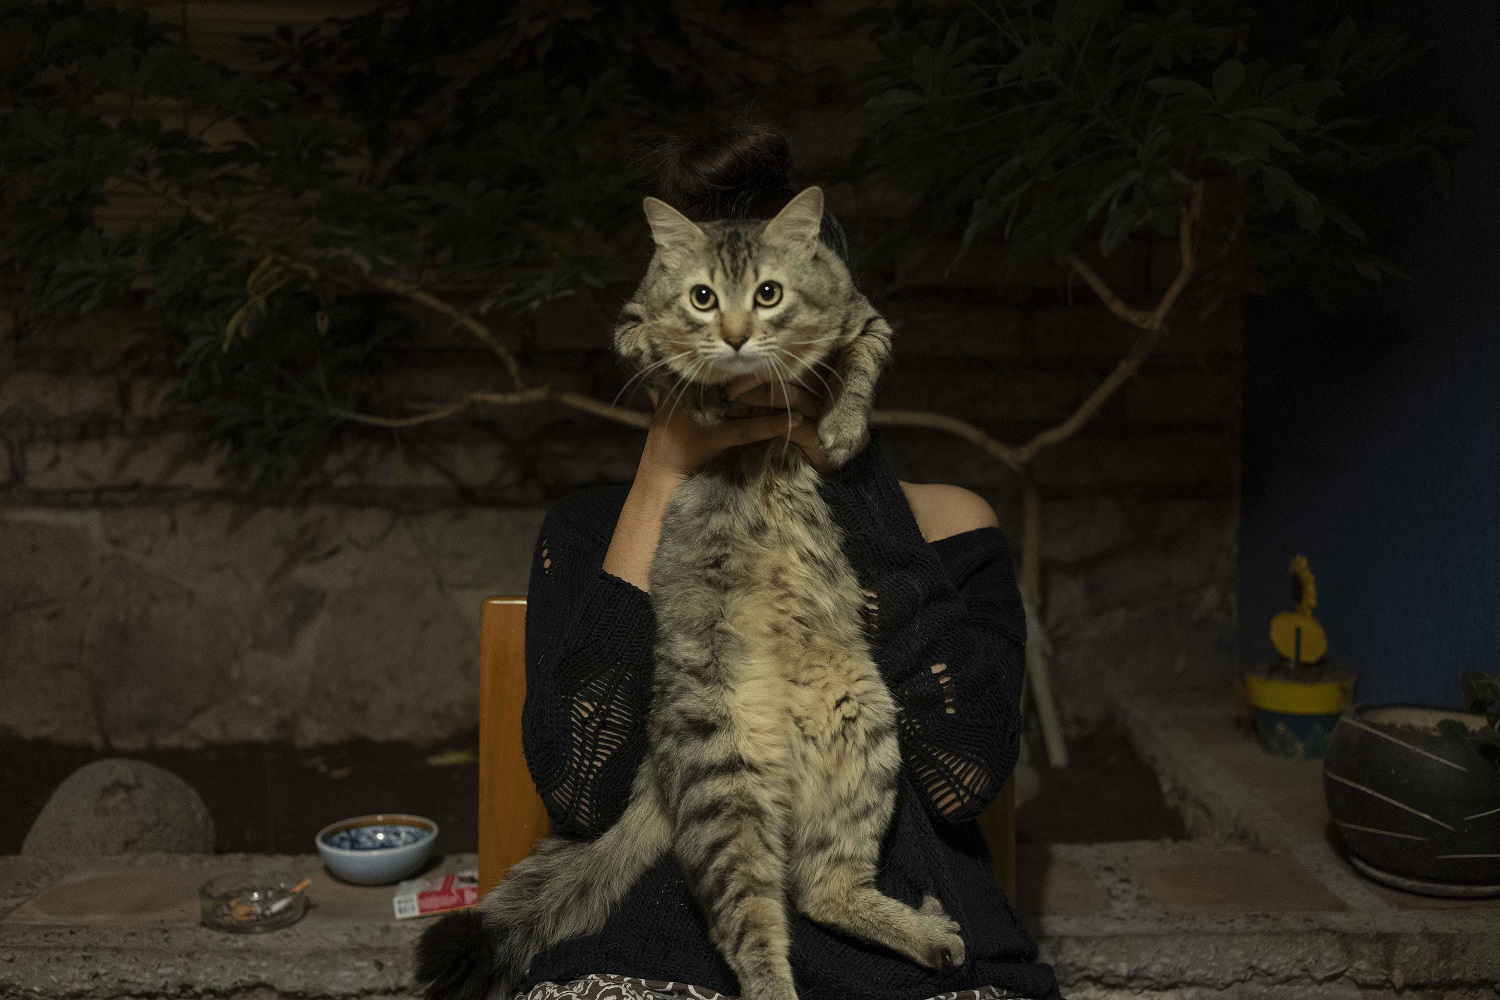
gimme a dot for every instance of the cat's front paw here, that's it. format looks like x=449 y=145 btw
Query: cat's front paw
x=841 y=433
x=943 y=948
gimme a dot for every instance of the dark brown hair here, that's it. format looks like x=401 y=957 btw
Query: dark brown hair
x=737 y=168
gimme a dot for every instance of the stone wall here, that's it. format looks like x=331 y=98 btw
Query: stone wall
x=147 y=598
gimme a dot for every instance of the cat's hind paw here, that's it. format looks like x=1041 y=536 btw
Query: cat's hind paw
x=944 y=946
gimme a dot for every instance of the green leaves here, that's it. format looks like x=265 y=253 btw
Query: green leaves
x=1482 y=694
x=1281 y=189
x=1047 y=122
x=1190 y=89
x=75 y=279
x=1032 y=63
x=265 y=224
x=1227 y=80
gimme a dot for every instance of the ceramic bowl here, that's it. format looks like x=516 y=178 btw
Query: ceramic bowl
x=1414 y=798
x=377 y=850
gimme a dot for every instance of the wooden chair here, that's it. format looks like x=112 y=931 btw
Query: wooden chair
x=511 y=815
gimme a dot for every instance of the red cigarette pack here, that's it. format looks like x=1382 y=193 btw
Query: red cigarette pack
x=422 y=897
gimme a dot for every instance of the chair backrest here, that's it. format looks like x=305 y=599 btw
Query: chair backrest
x=511 y=815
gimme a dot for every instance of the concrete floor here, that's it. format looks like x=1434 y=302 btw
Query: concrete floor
x=1259 y=906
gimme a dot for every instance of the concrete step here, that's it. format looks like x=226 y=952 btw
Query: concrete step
x=1267 y=863
x=1182 y=920
x=1261 y=906
x=1199 y=919
x=129 y=927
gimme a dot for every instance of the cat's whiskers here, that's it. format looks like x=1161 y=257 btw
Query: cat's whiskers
x=773 y=363
x=813 y=371
x=826 y=338
x=831 y=370
x=686 y=381
x=647 y=370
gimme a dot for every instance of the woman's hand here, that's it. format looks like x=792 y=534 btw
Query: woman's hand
x=677 y=447
x=753 y=391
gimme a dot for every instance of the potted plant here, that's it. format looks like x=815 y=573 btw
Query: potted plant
x=1413 y=792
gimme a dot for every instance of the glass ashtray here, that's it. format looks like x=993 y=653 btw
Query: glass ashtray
x=242 y=903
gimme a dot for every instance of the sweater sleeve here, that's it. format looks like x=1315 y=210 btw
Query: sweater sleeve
x=589 y=637
x=949 y=635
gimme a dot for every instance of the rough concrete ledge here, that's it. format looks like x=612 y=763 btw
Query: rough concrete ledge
x=85 y=963
x=1158 y=938
x=1161 y=920
x=1372 y=942
x=1227 y=788
x=347 y=946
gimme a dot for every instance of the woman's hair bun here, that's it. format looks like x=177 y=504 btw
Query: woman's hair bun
x=739 y=169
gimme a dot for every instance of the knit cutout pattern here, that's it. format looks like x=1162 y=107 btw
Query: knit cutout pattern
x=948 y=638
x=588 y=650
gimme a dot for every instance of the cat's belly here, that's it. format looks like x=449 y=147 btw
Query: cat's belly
x=760 y=618
x=804 y=690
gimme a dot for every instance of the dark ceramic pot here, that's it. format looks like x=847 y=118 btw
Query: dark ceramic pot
x=1410 y=794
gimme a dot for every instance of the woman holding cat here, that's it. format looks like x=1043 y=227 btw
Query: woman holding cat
x=944 y=625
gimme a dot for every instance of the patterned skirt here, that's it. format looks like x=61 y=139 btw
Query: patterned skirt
x=606 y=987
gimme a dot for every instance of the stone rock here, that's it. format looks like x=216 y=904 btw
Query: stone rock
x=120 y=806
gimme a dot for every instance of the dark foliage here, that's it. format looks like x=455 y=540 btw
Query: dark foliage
x=437 y=145
x=1066 y=123
x=284 y=221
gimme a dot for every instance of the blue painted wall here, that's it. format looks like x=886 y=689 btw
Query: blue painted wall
x=1372 y=439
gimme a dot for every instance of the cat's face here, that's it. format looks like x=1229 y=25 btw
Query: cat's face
x=724 y=299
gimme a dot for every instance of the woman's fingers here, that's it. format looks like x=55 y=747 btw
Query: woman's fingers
x=782 y=395
x=747 y=430
x=742 y=384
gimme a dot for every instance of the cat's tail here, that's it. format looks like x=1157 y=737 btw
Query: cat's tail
x=565 y=889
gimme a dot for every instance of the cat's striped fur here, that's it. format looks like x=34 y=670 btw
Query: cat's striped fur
x=773 y=758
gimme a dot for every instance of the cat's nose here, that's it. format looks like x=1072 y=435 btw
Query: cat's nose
x=735 y=339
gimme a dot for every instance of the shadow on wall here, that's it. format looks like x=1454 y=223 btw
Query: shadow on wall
x=1372 y=440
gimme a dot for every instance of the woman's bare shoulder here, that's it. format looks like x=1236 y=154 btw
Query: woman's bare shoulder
x=942 y=510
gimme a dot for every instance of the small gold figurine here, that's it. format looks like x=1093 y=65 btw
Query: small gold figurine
x=1296 y=634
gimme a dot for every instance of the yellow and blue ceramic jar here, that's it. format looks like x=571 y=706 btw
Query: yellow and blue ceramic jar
x=1296 y=708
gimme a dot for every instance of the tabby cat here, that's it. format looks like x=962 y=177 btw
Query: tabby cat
x=772 y=764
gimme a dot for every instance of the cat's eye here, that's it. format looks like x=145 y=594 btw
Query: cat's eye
x=703 y=297
x=768 y=294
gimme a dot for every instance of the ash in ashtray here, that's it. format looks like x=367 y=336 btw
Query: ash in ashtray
x=242 y=904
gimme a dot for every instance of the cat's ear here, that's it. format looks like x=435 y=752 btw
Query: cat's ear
x=796 y=226
x=677 y=237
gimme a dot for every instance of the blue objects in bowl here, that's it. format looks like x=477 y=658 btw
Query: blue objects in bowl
x=377 y=850
x=376 y=837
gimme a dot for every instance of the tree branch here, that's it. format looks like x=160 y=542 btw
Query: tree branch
x=539 y=394
x=948 y=425
x=1186 y=222
x=386 y=283
x=1123 y=372
x=1153 y=323
x=458 y=316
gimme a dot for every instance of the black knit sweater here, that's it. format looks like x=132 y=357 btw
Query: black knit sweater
x=946 y=629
